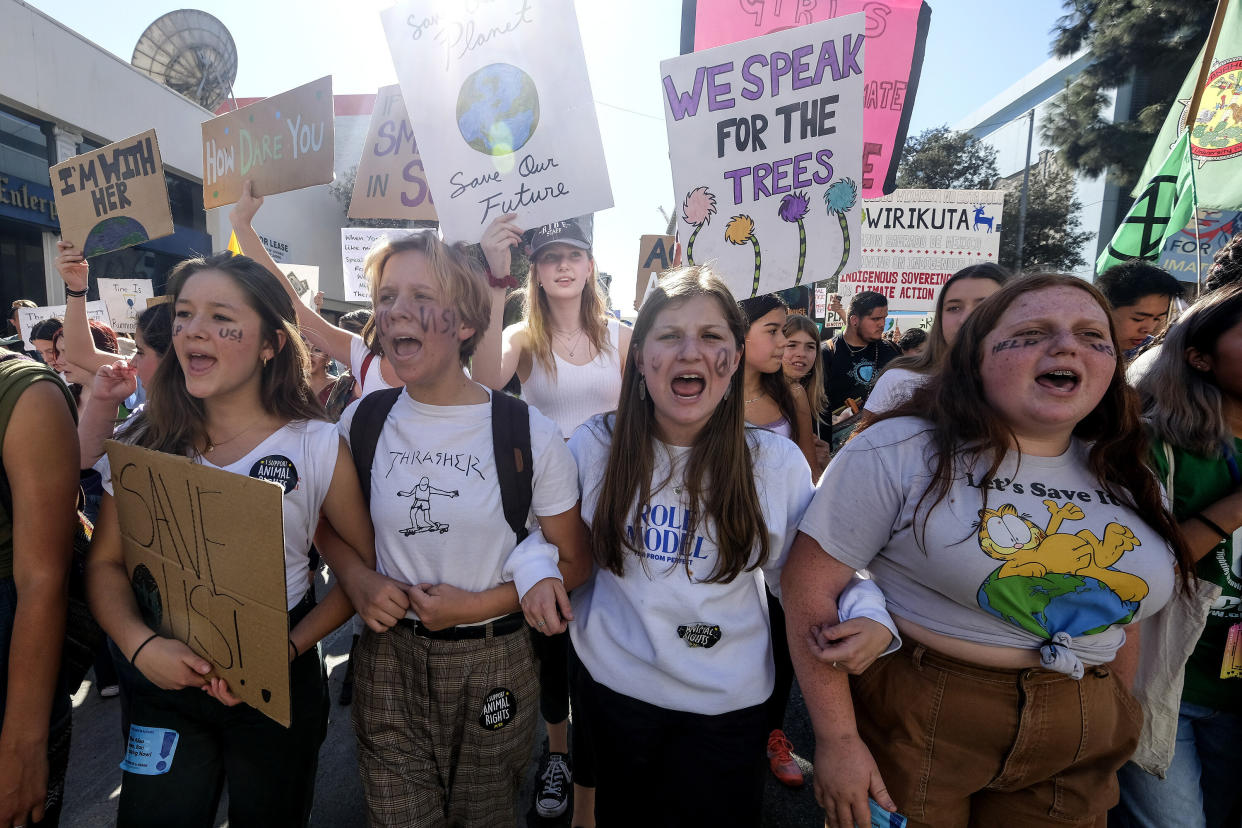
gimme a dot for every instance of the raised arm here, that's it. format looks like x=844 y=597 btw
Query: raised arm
x=336 y=340
x=97 y=420
x=496 y=357
x=40 y=450
x=78 y=344
x=845 y=772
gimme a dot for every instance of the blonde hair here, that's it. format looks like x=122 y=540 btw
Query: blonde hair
x=455 y=274
x=592 y=316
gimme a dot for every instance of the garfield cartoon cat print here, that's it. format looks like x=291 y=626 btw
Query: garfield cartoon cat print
x=1052 y=580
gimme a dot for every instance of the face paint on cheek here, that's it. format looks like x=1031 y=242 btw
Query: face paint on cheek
x=177 y=329
x=656 y=363
x=383 y=321
x=1103 y=348
x=723 y=362
x=1011 y=344
x=234 y=334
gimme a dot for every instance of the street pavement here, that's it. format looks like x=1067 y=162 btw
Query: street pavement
x=94 y=779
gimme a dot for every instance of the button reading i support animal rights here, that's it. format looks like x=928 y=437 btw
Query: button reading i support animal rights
x=499 y=708
x=278 y=469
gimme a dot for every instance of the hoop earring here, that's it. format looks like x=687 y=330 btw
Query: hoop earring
x=642 y=387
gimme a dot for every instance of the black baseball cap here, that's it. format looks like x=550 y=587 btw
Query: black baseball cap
x=575 y=232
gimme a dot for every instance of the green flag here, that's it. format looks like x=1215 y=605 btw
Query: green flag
x=1164 y=206
x=1216 y=134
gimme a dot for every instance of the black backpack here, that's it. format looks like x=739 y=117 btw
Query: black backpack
x=510 y=444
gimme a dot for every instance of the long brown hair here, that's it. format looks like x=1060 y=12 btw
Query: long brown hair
x=813 y=382
x=937 y=346
x=173 y=421
x=719 y=481
x=592 y=316
x=965 y=429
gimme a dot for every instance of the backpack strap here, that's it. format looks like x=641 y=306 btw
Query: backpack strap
x=366 y=363
x=364 y=432
x=515 y=468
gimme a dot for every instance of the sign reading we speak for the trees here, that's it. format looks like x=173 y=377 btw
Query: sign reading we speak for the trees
x=765 y=138
x=499 y=99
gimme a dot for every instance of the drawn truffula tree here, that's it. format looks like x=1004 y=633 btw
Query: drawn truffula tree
x=794 y=207
x=697 y=211
x=839 y=198
x=739 y=230
x=420 y=509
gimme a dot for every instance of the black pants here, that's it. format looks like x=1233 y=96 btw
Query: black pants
x=774 y=708
x=270 y=769
x=659 y=767
x=555 y=693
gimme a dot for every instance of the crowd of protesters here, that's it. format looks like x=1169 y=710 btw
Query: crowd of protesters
x=1003 y=575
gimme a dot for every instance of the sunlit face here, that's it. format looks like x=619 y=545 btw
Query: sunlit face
x=1146 y=317
x=420 y=332
x=871 y=326
x=218 y=337
x=960 y=301
x=318 y=359
x=687 y=360
x=765 y=342
x=800 y=355
x=562 y=270
x=48 y=352
x=1224 y=363
x=1048 y=362
x=145 y=359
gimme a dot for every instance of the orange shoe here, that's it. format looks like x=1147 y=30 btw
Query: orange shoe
x=781 y=761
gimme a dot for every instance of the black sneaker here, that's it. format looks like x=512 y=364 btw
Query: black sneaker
x=552 y=795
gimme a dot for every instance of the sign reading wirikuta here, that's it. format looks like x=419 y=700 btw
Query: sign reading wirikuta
x=765 y=138
x=914 y=240
x=391 y=183
x=205 y=553
x=113 y=197
x=498 y=96
x=282 y=143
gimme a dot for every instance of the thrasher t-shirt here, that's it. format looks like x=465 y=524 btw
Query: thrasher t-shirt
x=850 y=372
x=435 y=499
x=1050 y=552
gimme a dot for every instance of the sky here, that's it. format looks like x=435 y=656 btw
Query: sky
x=975 y=50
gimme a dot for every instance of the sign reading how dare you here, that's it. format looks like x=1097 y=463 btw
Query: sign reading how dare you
x=283 y=143
x=205 y=552
x=498 y=96
x=114 y=197
x=765 y=137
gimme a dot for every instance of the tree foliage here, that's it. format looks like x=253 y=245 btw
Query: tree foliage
x=1054 y=236
x=942 y=159
x=1151 y=44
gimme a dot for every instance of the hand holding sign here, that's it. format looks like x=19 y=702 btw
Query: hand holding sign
x=501 y=236
x=72 y=266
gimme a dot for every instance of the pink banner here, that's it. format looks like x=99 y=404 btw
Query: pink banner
x=896 y=34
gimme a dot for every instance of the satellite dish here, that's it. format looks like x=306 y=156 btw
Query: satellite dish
x=190 y=52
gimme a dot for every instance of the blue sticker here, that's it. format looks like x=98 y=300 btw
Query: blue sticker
x=881 y=818
x=150 y=750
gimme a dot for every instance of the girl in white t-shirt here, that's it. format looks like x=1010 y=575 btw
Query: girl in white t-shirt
x=1007 y=514
x=446 y=692
x=691 y=512
x=568 y=354
x=231 y=394
x=958 y=297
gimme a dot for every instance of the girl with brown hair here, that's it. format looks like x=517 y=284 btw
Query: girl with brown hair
x=1006 y=513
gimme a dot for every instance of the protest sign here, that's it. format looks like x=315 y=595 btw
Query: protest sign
x=391 y=183
x=655 y=255
x=896 y=35
x=283 y=143
x=125 y=299
x=27 y=318
x=1190 y=251
x=205 y=553
x=913 y=240
x=114 y=197
x=499 y=99
x=768 y=133
x=305 y=281
x=356 y=243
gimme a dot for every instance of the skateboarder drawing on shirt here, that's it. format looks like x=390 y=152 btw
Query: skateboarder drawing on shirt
x=420 y=509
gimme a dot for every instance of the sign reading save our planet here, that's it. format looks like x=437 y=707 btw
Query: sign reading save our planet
x=499 y=100
x=113 y=197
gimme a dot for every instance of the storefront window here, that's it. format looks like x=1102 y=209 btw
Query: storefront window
x=23 y=148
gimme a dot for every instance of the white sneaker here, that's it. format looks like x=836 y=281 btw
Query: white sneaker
x=552 y=795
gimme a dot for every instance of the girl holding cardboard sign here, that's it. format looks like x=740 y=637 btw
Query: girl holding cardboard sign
x=232 y=394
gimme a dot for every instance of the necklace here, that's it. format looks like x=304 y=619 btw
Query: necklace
x=211 y=444
x=576 y=334
x=857 y=350
x=762 y=394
